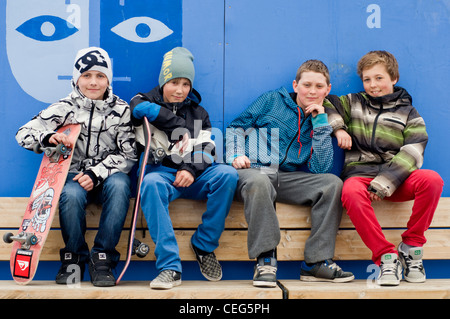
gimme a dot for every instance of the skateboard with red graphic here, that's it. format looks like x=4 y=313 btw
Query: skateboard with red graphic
x=41 y=208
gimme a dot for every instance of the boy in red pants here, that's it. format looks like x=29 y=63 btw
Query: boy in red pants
x=385 y=137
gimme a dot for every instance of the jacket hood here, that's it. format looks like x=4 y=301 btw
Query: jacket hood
x=85 y=102
x=156 y=96
x=400 y=97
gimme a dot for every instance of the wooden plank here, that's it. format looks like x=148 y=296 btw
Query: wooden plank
x=389 y=214
x=55 y=242
x=233 y=245
x=367 y=289
x=187 y=214
x=349 y=245
x=229 y=289
x=225 y=289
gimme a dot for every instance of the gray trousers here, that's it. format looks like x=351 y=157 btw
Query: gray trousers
x=260 y=189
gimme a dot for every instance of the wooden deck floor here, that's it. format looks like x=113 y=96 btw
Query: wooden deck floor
x=229 y=289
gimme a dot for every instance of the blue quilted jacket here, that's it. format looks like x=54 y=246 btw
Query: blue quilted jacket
x=273 y=131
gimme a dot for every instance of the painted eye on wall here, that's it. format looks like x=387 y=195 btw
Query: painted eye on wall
x=142 y=30
x=47 y=28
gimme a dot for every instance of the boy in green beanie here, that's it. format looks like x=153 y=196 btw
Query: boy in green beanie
x=181 y=127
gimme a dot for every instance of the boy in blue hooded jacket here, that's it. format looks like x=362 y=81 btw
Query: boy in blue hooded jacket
x=281 y=146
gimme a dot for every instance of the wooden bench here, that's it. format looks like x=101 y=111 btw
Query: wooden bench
x=295 y=229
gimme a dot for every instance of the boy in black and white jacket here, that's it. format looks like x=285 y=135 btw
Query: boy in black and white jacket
x=104 y=154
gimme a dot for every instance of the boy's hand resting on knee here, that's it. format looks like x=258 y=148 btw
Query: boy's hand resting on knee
x=344 y=139
x=85 y=181
x=241 y=162
x=183 y=179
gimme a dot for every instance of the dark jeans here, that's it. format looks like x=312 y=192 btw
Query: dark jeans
x=114 y=195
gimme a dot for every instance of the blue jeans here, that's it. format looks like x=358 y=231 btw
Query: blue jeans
x=114 y=195
x=217 y=184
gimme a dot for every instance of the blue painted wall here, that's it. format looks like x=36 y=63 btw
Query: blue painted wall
x=241 y=49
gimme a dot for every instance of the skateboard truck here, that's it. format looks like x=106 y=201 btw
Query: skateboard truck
x=140 y=249
x=53 y=152
x=26 y=239
x=156 y=156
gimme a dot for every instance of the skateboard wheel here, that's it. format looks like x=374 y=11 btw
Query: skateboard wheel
x=61 y=149
x=160 y=152
x=32 y=240
x=142 y=250
x=7 y=238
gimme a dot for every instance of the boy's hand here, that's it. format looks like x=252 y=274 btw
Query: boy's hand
x=183 y=179
x=374 y=197
x=314 y=109
x=344 y=139
x=59 y=138
x=85 y=181
x=241 y=162
x=184 y=142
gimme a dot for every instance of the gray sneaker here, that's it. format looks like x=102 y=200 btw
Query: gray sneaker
x=265 y=274
x=390 y=270
x=209 y=265
x=327 y=270
x=412 y=264
x=166 y=279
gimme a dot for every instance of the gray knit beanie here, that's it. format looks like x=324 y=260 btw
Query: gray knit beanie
x=177 y=63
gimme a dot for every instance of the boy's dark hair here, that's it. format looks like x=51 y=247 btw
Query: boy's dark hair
x=379 y=57
x=314 y=66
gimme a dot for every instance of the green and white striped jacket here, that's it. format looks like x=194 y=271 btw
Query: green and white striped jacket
x=388 y=137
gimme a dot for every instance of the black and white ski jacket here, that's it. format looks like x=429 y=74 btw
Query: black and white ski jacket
x=106 y=144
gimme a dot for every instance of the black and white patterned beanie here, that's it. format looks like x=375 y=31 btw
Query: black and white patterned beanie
x=92 y=59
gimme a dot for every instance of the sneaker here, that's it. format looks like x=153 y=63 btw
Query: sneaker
x=390 y=270
x=71 y=270
x=326 y=270
x=100 y=270
x=209 y=265
x=166 y=279
x=265 y=272
x=412 y=264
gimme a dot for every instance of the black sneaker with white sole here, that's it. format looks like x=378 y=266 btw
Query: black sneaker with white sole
x=71 y=270
x=265 y=272
x=326 y=270
x=100 y=270
x=209 y=265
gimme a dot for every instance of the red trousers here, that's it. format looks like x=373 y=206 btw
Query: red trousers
x=422 y=186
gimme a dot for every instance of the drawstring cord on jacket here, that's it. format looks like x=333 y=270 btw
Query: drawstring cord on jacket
x=299 y=129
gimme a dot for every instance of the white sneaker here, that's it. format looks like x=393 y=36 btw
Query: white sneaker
x=166 y=279
x=390 y=270
x=412 y=264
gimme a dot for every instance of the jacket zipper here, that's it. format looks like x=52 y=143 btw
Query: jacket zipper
x=375 y=123
x=292 y=141
x=89 y=129
x=287 y=150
